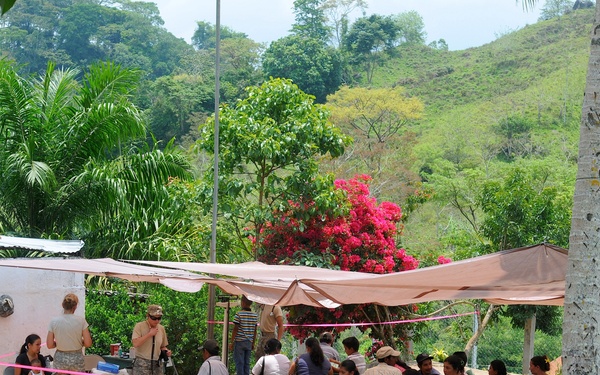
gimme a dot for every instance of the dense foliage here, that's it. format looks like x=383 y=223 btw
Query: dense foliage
x=68 y=33
x=362 y=239
x=313 y=66
x=490 y=149
x=270 y=143
x=113 y=314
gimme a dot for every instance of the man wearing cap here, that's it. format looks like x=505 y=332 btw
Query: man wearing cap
x=212 y=364
x=425 y=363
x=386 y=356
x=326 y=342
x=149 y=338
x=270 y=317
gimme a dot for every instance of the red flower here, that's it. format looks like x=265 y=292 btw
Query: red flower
x=362 y=240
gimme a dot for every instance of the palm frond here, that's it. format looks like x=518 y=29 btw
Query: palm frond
x=55 y=93
x=527 y=4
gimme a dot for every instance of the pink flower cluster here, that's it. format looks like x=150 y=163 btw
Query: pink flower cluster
x=363 y=240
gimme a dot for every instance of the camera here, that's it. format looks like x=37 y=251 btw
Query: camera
x=163 y=356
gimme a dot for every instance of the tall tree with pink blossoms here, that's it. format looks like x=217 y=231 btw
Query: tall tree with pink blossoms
x=362 y=239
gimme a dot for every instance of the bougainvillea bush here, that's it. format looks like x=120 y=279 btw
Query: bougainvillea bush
x=362 y=239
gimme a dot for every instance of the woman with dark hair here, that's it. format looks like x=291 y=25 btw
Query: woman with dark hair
x=30 y=351
x=348 y=367
x=69 y=334
x=273 y=362
x=497 y=367
x=454 y=365
x=538 y=365
x=313 y=362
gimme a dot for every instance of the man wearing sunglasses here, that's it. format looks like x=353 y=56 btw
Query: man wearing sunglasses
x=149 y=339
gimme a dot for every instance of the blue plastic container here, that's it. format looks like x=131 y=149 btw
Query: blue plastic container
x=108 y=367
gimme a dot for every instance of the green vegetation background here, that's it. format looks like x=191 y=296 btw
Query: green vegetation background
x=503 y=112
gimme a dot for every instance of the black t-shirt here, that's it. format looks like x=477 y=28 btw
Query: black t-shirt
x=23 y=359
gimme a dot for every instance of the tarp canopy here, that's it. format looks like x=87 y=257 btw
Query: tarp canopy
x=261 y=271
x=175 y=279
x=529 y=275
x=51 y=246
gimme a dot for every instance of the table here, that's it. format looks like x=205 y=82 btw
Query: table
x=123 y=363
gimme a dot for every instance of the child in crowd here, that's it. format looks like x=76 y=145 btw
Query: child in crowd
x=35 y=363
x=243 y=337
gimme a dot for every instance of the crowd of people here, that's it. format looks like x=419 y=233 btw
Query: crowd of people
x=69 y=334
x=316 y=362
x=321 y=357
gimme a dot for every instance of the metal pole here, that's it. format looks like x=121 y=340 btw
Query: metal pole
x=475 y=329
x=225 y=350
x=210 y=331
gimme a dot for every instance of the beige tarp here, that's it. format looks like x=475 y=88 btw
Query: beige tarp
x=530 y=275
x=188 y=281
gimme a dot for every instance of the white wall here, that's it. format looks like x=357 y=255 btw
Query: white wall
x=37 y=295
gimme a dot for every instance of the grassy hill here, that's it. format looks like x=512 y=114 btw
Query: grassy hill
x=536 y=74
x=513 y=63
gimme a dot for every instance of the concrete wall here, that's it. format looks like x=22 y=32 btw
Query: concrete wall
x=37 y=295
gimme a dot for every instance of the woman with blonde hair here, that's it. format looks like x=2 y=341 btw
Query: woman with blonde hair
x=69 y=334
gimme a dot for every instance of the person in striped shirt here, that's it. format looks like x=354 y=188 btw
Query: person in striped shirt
x=243 y=337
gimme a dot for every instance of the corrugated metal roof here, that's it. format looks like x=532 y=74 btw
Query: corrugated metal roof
x=51 y=246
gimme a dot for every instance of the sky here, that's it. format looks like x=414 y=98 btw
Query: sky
x=462 y=23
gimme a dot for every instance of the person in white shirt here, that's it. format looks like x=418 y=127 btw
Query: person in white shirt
x=273 y=362
x=386 y=356
x=212 y=364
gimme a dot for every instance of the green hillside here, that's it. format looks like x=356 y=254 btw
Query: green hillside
x=535 y=75
x=512 y=63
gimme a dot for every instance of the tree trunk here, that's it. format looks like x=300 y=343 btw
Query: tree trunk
x=581 y=331
x=481 y=328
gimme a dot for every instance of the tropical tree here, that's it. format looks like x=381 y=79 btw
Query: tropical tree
x=369 y=40
x=269 y=145
x=555 y=9
x=240 y=60
x=175 y=102
x=205 y=35
x=76 y=34
x=379 y=120
x=28 y=34
x=309 y=62
x=375 y=115
x=67 y=156
x=337 y=12
x=520 y=211
x=240 y=67
x=310 y=20
x=411 y=28
x=515 y=132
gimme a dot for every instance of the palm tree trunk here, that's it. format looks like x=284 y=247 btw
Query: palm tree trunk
x=581 y=328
